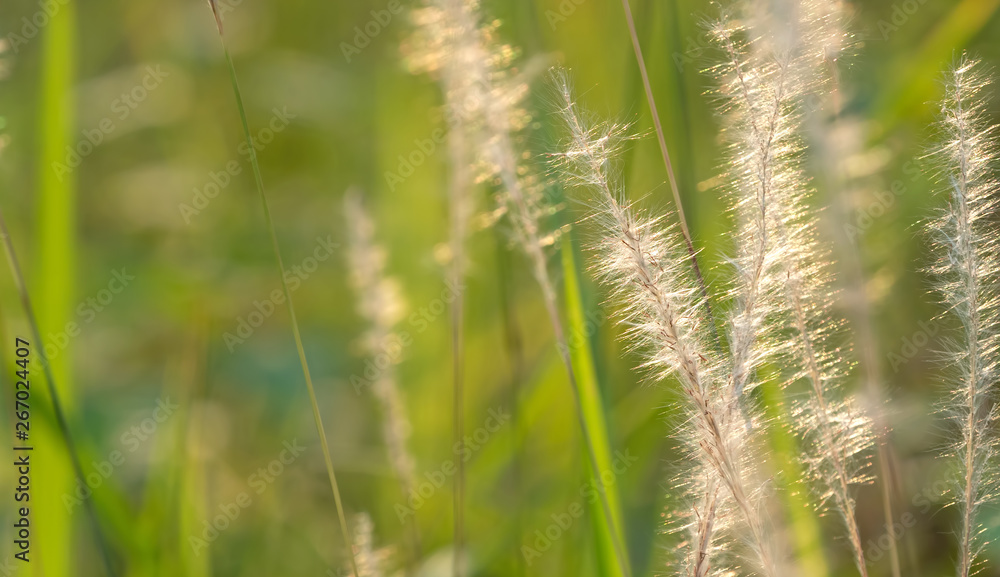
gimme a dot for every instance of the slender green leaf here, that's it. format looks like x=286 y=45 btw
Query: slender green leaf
x=593 y=409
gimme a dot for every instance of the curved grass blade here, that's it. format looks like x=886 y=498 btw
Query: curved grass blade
x=593 y=412
x=348 y=540
x=50 y=384
x=55 y=254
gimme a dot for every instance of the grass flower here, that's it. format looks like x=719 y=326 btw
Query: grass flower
x=783 y=289
x=483 y=94
x=966 y=236
x=380 y=304
x=838 y=436
x=371 y=560
x=665 y=319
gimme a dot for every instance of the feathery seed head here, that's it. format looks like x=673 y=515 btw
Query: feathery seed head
x=484 y=93
x=644 y=270
x=759 y=93
x=380 y=299
x=639 y=260
x=482 y=90
x=782 y=291
x=380 y=305
x=371 y=561
x=968 y=272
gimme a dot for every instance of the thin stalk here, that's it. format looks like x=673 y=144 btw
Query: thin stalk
x=835 y=454
x=658 y=126
x=870 y=363
x=259 y=181
x=685 y=112
x=881 y=429
x=701 y=547
x=970 y=260
x=459 y=190
x=458 y=400
x=885 y=469
x=514 y=347
x=50 y=384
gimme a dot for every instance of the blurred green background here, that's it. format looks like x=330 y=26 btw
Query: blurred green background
x=342 y=121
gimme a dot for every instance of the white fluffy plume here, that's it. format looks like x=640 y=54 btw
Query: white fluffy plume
x=969 y=273
x=641 y=265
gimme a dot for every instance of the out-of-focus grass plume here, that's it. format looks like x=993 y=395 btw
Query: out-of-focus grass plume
x=127 y=184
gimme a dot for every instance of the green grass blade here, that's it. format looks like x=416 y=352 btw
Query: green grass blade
x=55 y=277
x=288 y=298
x=910 y=87
x=57 y=410
x=191 y=491
x=806 y=533
x=56 y=257
x=593 y=410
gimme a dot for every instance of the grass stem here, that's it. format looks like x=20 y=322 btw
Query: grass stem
x=259 y=181
x=459 y=189
x=661 y=139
